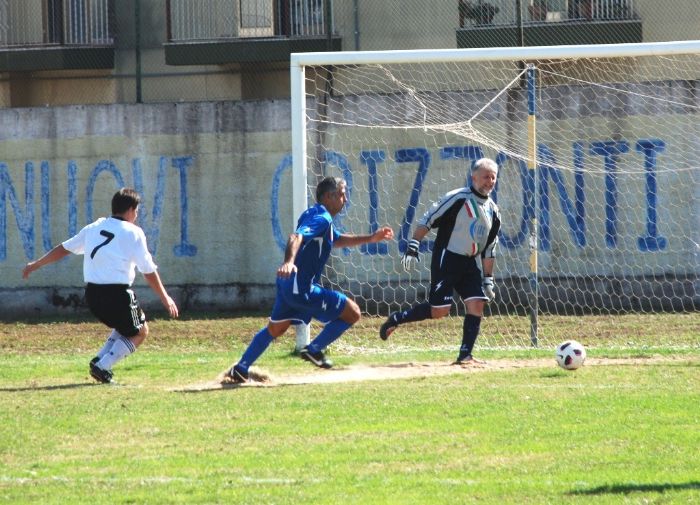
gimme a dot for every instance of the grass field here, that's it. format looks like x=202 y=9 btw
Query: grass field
x=622 y=429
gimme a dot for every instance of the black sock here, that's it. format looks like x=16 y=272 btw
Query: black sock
x=470 y=331
x=415 y=313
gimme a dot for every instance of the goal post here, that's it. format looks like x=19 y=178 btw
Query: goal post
x=599 y=201
x=532 y=196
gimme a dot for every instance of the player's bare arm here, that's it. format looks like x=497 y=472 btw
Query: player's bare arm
x=156 y=284
x=55 y=254
x=420 y=232
x=487 y=265
x=384 y=233
x=290 y=253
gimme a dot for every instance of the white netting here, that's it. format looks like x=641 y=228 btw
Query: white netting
x=616 y=190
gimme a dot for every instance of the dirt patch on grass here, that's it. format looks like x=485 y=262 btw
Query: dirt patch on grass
x=411 y=370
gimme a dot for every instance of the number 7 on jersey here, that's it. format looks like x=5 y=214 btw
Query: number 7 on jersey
x=109 y=238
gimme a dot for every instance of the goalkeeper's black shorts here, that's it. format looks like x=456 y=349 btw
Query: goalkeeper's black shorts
x=450 y=272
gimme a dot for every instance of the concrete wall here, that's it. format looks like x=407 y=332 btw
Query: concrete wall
x=216 y=183
x=206 y=173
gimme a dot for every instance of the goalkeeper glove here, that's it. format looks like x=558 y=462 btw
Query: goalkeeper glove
x=411 y=254
x=487 y=286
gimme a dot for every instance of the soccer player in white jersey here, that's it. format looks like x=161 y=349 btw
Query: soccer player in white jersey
x=467 y=222
x=299 y=296
x=112 y=248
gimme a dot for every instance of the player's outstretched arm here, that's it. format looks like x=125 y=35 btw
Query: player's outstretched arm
x=383 y=233
x=55 y=254
x=154 y=281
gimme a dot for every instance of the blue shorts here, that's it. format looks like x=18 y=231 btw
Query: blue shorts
x=319 y=303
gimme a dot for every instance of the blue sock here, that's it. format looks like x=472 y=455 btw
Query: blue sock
x=257 y=346
x=328 y=335
x=470 y=331
x=416 y=313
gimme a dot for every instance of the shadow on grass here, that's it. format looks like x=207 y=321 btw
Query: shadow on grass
x=155 y=314
x=54 y=387
x=637 y=487
x=205 y=388
x=554 y=374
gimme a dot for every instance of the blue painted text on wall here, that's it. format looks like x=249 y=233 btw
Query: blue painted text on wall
x=149 y=221
x=549 y=177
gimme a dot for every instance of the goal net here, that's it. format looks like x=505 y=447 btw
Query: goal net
x=599 y=181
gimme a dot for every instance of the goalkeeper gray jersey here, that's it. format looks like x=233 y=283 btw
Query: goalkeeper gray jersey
x=467 y=223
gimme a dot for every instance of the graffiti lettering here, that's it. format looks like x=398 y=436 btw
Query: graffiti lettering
x=24 y=214
x=548 y=177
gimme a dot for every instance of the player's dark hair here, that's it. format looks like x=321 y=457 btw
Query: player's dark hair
x=125 y=199
x=328 y=185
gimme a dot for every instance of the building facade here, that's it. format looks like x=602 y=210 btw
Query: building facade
x=59 y=52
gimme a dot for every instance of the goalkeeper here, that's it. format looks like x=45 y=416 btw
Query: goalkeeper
x=467 y=222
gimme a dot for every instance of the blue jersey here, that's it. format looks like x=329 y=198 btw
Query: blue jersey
x=315 y=225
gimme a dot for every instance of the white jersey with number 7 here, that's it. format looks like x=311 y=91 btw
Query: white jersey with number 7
x=112 y=249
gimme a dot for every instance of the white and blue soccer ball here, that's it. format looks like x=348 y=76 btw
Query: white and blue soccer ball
x=570 y=355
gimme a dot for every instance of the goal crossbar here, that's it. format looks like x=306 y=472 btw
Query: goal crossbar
x=495 y=53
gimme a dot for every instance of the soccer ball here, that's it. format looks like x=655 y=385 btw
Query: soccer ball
x=570 y=355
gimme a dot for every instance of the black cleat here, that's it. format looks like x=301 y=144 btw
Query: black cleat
x=100 y=375
x=468 y=360
x=94 y=360
x=237 y=376
x=387 y=328
x=317 y=358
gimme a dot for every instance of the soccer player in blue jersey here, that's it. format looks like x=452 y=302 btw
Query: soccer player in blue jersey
x=299 y=296
x=467 y=222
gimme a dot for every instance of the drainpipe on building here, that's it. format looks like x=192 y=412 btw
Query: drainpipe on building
x=356 y=11
x=328 y=14
x=519 y=21
x=137 y=44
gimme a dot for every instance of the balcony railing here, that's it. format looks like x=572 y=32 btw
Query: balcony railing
x=305 y=18
x=191 y=20
x=55 y=22
x=504 y=12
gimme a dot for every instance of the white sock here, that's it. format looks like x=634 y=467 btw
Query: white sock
x=114 y=335
x=121 y=348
